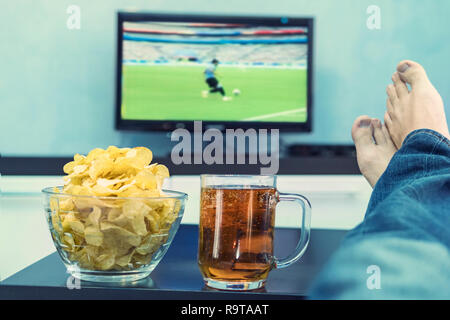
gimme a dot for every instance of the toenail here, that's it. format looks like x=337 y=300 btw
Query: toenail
x=376 y=123
x=364 y=123
x=403 y=67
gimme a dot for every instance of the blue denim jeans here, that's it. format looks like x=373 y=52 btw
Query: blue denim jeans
x=402 y=248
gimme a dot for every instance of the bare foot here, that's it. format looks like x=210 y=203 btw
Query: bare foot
x=374 y=147
x=418 y=108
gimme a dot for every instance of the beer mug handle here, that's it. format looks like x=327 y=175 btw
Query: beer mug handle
x=306 y=226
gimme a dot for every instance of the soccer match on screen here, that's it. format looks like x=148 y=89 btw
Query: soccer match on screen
x=214 y=72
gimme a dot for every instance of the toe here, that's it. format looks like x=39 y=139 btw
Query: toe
x=372 y=159
x=378 y=133
x=362 y=131
x=400 y=86
x=389 y=106
x=411 y=72
x=391 y=129
x=388 y=138
x=387 y=120
x=392 y=94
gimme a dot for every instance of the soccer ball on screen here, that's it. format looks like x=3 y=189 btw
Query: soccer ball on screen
x=236 y=92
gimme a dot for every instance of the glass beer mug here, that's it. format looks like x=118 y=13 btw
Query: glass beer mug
x=236 y=230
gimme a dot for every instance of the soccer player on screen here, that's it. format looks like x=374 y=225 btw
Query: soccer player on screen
x=211 y=80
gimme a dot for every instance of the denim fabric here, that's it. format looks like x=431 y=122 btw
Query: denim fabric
x=405 y=235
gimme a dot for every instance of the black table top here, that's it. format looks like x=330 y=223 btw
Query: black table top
x=177 y=276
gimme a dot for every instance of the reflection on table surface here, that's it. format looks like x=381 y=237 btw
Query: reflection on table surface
x=178 y=276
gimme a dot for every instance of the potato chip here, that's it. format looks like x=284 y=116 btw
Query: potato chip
x=113 y=233
x=83 y=259
x=105 y=261
x=91 y=251
x=68 y=167
x=66 y=205
x=115 y=152
x=71 y=223
x=95 y=154
x=94 y=217
x=56 y=222
x=150 y=244
x=119 y=220
x=101 y=167
x=68 y=241
x=140 y=260
x=113 y=214
x=146 y=180
x=153 y=222
x=93 y=236
x=109 y=182
x=139 y=157
x=125 y=260
x=135 y=211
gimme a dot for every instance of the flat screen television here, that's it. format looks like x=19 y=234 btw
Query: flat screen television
x=228 y=71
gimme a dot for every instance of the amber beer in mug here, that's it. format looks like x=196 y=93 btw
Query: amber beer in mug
x=236 y=230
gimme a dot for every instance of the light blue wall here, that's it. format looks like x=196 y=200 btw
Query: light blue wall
x=57 y=85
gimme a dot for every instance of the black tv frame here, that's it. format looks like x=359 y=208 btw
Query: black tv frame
x=170 y=125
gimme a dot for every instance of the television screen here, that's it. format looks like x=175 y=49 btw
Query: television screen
x=176 y=69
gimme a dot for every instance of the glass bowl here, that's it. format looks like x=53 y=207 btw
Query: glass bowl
x=112 y=239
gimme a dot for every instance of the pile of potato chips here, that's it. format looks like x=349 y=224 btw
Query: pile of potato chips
x=108 y=215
